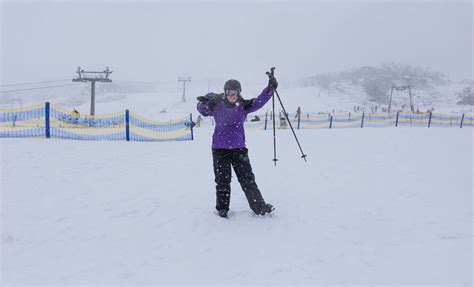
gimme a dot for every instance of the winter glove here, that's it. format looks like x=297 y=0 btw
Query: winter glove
x=273 y=83
x=211 y=99
x=206 y=98
x=214 y=100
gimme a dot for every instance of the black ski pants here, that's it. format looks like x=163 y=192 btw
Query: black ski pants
x=239 y=160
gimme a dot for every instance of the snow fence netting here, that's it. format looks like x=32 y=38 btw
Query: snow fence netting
x=358 y=120
x=69 y=125
x=52 y=121
x=24 y=122
x=142 y=129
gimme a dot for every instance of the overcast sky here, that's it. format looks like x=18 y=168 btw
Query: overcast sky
x=158 y=41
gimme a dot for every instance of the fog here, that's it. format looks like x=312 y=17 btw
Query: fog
x=159 y=41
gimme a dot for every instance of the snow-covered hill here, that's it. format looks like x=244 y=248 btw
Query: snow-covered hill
x=163 y=101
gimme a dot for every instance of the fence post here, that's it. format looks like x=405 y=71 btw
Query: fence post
x=299 y=120
x=396 y=122
x=127 y=125
x=266 y=120
x=192 y=129
x=429 y=121
x=330 y=123
x=462 y=120
x=362 y=122
x=46 y=119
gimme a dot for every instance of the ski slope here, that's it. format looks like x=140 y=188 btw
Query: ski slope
x=371 y=206
x=163 y=101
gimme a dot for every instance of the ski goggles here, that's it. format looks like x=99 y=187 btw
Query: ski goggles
x=232 y=93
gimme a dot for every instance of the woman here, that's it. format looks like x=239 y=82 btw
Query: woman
x=228 y=143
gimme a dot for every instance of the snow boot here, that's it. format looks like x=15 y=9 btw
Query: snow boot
x=266 y=208
x=223 y=213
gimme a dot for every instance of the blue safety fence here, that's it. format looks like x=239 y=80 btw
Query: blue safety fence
x=442 y=120
x=27 y=122
x=142 y=129
x=410 y=120
x=52 y=121
x=69 y=125
x=357 y=120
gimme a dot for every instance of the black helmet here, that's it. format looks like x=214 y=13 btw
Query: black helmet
x=232 y=85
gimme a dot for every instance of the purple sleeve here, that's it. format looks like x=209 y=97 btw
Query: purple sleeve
x=261 y=100
x=203 y=109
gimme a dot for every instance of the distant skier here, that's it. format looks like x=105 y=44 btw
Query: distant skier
x=198 y=121
x=75 y=116
x=298 y=113
x=228 y=143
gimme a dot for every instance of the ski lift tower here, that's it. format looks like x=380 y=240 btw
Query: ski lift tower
x=184 y=80
x=401 y=88
x=93 y=77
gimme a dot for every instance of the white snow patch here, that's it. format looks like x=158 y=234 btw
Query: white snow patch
x=371 y=206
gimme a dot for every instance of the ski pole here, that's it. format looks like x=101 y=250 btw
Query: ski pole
x=274 y=133
x=273 y=119
x=291 y=126
x=271 y=75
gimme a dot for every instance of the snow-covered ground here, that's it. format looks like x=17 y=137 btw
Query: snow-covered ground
x=371 y=206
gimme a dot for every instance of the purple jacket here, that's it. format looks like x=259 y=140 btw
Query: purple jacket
x=229 y=130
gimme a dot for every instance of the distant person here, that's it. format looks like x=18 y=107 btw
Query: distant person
x=228 y=143
x=298 y=113
x=75 y=116
x=255 y=119
x=198 y=121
